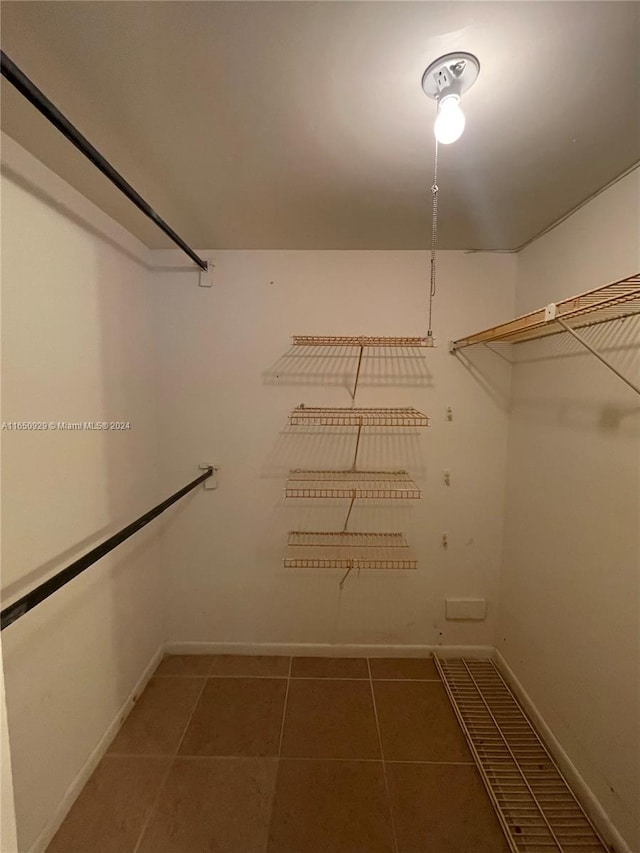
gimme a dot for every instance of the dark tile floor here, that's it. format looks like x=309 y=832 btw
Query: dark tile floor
x=237 y=754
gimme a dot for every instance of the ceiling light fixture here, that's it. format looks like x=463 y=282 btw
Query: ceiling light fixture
x=446 y=80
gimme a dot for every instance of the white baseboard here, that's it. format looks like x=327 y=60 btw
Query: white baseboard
x=340 y=650
x=73 y=791
x=580 y=788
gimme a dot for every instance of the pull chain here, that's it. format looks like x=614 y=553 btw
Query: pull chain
x=434 y=239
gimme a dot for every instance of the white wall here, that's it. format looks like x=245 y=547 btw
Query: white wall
x=570 y=582
x=221 y=402
x=80 y=314
x=8 y=834
x=77 y=346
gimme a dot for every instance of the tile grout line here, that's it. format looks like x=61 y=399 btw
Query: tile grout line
x=154 y=805
x=384 y=766
x=172 y=759
x=303 y=677
x=184 y=757
x=284 y=709
x=275 y=781
x=245 y=675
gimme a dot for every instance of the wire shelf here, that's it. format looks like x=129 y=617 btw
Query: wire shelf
x=334 y=416
x=358 y=341
x=612 y=302
x=536 y=808
x=346 y=550
x=382 y=485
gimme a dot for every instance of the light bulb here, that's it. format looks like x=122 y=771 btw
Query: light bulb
x=450 y=120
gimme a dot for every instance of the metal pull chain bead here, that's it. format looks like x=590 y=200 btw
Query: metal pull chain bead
x=434 y=238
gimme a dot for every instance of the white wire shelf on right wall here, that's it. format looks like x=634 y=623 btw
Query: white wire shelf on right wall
x=615 y=301
x=612 y=302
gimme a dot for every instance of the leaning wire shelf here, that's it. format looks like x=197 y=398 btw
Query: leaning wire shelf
x=348 y=550
x=534 y=804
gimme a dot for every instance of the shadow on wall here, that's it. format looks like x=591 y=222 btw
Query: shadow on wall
x=84 y=354
x=29 y=581
x=617 y=340
x=490 y=366
x=567 y=364
x=397 y=516
x=338 y=365
x=68 y=212
x=333 y=449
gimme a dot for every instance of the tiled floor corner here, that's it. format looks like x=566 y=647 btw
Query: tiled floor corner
x=242 y=754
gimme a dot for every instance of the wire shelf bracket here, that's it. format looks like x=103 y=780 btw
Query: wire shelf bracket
x=536 y=807
x=615 y=301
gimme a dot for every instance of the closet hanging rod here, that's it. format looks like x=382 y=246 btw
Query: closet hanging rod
x=30 y=91
x=16 y=610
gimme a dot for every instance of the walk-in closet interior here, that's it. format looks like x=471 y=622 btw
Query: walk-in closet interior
x=320 y=427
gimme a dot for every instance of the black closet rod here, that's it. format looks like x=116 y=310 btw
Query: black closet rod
x=40 y=101
x=16 y=610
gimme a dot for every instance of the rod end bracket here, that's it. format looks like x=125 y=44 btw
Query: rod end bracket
x=212 y=482
x=206 y=276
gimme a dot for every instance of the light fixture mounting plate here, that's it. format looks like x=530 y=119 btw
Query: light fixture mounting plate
x=454 y=72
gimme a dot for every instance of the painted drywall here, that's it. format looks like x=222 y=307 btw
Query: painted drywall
x=8 y=834
x=570 y=581
x=77 y=346
x=228 y=382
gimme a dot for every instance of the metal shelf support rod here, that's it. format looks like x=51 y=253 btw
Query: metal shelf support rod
x=346 y=521
x=355 y=387
x=355 y=455
x=344 y=577
x=598 y=355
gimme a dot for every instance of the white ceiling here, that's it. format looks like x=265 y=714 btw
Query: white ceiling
x=303 y=124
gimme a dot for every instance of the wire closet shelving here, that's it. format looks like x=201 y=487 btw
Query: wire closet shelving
x=345 y=549
x=536 y=808
x=342 y=416
x=368 y=485
x=357 y=341
x=614 y=301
